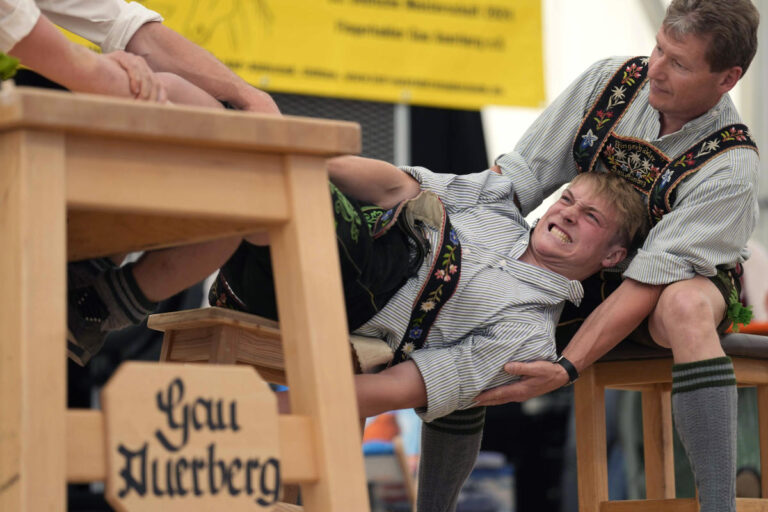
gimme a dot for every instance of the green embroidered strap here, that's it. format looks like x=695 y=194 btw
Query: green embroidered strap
x=8 y=66
x=607 y=110
x=663 y=191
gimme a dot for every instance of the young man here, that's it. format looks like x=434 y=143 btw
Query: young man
x=667 y=126
x=486 y=290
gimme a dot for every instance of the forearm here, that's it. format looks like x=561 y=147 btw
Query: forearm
x=372 y=181
x=398 y=387
x=611 y=322
x=48 y=52
x=166 y=50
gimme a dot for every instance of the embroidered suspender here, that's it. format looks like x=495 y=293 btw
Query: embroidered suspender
x=643 y=165
x=442 y=281
x=607 y=110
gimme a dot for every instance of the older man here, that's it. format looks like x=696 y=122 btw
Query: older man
x=667 y=126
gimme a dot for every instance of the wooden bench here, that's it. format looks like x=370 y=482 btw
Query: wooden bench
x=224 y=336
x=86 y=176
x=649 y=370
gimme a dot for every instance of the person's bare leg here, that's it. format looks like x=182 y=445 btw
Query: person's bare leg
x=703 y=386
x=163 y=273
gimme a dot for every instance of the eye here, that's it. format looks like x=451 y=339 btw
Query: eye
x=593 y=218
x=566 y=199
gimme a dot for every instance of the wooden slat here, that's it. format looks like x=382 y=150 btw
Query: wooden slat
x=150 y=178
x=32 y=322
x=86 y=459
x=592 y=460
x=762 y=415
x=130 y=120
x=625 y=373
x=657 y=444
x=314 y=329
x=679 y=505
x=95 y=234
x=750 y=371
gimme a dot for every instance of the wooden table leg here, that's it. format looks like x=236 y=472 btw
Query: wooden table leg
x=312 y=321
x=592 y=462
x=32 y=322
x=657 y=445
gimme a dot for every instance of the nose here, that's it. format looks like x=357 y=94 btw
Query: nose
x=656 y=66
x=570 y=214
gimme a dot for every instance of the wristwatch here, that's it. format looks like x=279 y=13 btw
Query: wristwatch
x=573 y=373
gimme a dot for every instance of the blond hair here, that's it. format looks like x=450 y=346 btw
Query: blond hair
x=628 y=203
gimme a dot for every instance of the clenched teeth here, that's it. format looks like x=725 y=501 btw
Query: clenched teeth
x=559 y=233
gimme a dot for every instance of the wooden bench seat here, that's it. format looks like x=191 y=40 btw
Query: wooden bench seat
x=224 y=336
x=649 y=370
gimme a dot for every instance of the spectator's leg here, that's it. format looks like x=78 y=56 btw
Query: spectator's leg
x=703 y=387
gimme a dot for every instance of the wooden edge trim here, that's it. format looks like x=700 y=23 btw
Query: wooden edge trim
x=86 y=454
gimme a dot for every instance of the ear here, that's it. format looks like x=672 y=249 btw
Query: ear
x=615 y=254
x=729 y=78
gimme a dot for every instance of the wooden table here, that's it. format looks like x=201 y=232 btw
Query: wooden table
x=84 y=176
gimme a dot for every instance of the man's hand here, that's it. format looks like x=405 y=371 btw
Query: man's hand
x=536 y=378
x=143 y=82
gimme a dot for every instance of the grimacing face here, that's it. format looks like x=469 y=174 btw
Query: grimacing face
x=578 y=235
x=682 y=86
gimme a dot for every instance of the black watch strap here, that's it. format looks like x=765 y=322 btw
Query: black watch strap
x=573 y=373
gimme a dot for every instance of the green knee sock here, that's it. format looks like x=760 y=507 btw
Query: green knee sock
x=704 y=409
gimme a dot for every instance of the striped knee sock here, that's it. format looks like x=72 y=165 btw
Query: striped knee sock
x=126 y=303
x=449 y=447
x=704 y=410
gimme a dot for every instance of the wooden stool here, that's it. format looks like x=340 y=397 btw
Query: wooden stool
x=649 y=370
x=225 y=336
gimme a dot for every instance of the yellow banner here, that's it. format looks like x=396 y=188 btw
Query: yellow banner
x=450 y=53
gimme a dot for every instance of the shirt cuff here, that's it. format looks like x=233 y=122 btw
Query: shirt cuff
x=658 y=268
x=18 y=24
x=441 y=379
x=131 y=18
x=525 y=185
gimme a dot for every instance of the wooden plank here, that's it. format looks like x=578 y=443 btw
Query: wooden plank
x=625 y=374
x=762 y=415
x=678 y=505
x=32 y=322
x=591 y=450
x=312 y=317
x=144 y=121
x=165 y=179
x=657 y=444
x=93 y=234
x=86 y=457
x=750 y=371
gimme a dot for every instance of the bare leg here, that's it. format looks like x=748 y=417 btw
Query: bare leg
x=163 y=273
x=703 y=387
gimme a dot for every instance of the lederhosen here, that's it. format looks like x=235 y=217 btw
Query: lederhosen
x=378 y=251
x=652 y=173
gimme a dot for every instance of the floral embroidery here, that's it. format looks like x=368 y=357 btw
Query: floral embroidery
x=733 y=134
x=601 y=118
x=344 y=208
x=632 y=73
x=588 y=139
x=442 y=282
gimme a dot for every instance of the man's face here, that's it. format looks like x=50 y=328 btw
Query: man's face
x=578 y=235
x=682 y=87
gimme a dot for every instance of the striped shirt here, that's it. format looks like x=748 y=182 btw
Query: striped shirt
x=715 y=210
x=502 y=310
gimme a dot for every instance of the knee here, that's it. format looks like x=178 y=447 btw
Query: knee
x=683 y=312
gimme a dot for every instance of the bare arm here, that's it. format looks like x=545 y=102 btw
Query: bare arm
x=166 y=50
x=52 y=55
x=373 y=181
x=397 y=387
x=610 y=323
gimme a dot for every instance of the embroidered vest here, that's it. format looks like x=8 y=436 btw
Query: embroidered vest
x=643 y=165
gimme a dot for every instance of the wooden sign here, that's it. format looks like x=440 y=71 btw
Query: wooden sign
x=184 y=437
